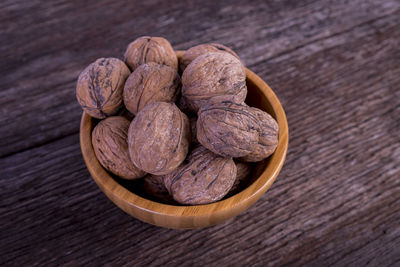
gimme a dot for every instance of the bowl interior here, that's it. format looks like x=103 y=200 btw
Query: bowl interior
x=255 y=98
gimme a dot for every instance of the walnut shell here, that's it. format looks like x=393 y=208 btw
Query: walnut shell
x=243 y=172
x=159 y=138
x=150 y=82
x=147 y=49
x=155 y=188
x=100 y=86
x=198 y=50
x=204 y=178
x=213 y=74
x=109 y=139
x=227 y=128
x=268 y=137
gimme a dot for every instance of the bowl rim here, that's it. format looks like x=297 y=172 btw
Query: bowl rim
x=251 y=193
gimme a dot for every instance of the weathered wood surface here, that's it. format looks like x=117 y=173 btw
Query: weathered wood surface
x=335 y=65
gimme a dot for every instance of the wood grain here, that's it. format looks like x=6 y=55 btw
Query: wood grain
x=334 y=66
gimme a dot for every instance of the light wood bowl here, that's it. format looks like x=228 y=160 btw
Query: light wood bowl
x=260 y=95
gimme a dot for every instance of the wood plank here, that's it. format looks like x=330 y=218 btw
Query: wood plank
x=37 y=95
x=336 y=202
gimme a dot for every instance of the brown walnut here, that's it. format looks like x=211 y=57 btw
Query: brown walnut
x=204 y=178
x=213 y=74
x=147 y=49
x=159 y=138
x=150 y=82
x=198 y=50
x=100 y=86
x=155 y=188
x=109 y=139
x=243 y=172
x=268 y=137
x=227 y=128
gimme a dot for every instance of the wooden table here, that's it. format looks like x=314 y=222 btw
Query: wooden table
x=335 y=66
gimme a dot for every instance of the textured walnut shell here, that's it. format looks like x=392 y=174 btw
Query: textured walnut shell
x=147 y=49
x=243 y=172
x=227 y=128
x=100 y=86
x=268 y=137
x=204 y=178
x=198 y=50
x=155 y=188
x=159 y=138
x=149 y=83
x=213 y=74
x=109 y=139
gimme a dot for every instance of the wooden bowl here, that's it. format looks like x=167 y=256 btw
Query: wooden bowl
x=261 y=96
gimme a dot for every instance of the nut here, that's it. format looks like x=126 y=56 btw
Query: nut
x=159 y=138
x=154 y=187
x=227 y=128
x=100 y=86
x=198 y=50
x=204 y=178
x=109 y=139
x=213 y=74
x=147 y=49
x=150 y=83
x=268 y=137
x=243 y=172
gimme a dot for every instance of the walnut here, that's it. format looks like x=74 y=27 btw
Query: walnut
x=100 y=86
x=243 y=172
x=268 y=137
x=159 y=138
x=147 y=49
x=109 y=139
x=227 y=128
x=211 y=75
x=150 y=83
x=155 y=188
x=199 y=50
x=204 y=178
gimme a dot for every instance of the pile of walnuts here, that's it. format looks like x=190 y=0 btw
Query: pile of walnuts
x=190 y=137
